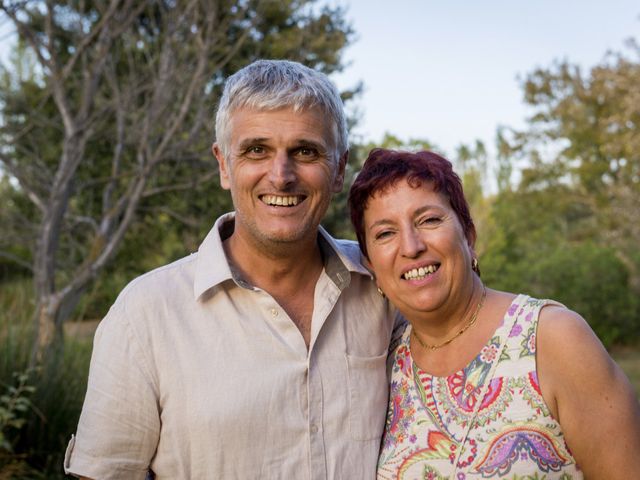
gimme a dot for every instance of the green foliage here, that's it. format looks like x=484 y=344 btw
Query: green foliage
x=60 y=391
x=14 y=407
x=542 y=240
x=107 y=132
x=569 y=229
x=585 y=277
x=594 y=282
x=584 y=131
x=44 y=405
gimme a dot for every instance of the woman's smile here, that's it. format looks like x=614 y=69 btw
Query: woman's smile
x=416 y=245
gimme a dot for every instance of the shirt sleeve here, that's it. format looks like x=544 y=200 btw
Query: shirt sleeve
x=119 y=425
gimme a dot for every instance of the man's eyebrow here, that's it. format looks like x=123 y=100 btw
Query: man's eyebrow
x=304 y=142
x=248 y=142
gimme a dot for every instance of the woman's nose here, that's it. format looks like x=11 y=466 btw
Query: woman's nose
x=412 y=243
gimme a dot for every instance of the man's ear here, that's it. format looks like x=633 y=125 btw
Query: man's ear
x=224 y=168
x=338 y=184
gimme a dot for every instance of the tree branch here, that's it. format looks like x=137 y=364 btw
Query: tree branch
x=202 y=179
x=188 y=221
x=21 y=178
x=17 y=260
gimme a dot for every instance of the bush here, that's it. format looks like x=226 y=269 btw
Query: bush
x=40 y=429
x=591 y=280
x=585 y=277
x=14 y=410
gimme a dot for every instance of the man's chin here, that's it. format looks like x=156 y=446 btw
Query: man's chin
x=289 y=238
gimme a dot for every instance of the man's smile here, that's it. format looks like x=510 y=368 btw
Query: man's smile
x=282 y=200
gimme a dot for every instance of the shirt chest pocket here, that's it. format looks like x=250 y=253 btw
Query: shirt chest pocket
x=368 y=395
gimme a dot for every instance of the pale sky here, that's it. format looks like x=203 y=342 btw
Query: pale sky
x=447 y=70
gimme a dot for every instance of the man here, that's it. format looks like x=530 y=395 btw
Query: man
x=262 y=355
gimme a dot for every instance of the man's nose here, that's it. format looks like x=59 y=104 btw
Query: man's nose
x=282 y=170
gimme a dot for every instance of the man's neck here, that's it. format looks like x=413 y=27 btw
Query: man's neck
x=288 y=274
x=272 y=267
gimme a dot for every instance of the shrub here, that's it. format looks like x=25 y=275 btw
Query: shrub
x=37 y=431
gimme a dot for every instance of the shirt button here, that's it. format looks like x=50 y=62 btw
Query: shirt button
x=314 y=428
x=274 y=312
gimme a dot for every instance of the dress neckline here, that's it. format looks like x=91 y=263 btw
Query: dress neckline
x=500 y=332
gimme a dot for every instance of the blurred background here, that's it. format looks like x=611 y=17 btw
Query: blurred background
x=106 y=122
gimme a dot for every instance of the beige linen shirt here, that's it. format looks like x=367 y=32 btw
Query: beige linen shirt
x=198 y=375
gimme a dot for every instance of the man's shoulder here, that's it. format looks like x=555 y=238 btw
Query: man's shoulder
x=348 y=251
x=167 y=280
x=349 y=248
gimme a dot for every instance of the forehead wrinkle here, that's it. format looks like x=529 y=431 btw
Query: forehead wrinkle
x=298 y=142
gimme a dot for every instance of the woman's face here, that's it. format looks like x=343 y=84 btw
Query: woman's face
x=417 y=248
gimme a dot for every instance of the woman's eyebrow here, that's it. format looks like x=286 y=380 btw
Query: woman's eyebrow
x=377 y=223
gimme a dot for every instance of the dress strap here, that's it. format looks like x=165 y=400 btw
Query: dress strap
x=510 y=317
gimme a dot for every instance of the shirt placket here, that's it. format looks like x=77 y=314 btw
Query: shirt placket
x=327 y=295
x=317 y=454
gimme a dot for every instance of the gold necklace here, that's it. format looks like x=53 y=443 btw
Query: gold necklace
x=426 y=346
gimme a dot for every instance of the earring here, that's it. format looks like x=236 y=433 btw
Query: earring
x=475 y=266
x=381 y=292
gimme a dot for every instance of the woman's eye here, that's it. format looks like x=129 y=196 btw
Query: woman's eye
x=384 y=234
x=430 y=221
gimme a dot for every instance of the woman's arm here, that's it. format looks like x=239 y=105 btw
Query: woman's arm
x=589 y=395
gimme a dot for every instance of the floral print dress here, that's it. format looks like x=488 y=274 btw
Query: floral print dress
x=489 y=419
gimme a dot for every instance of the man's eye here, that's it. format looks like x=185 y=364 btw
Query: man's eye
x=256 y=150
x=307 y=152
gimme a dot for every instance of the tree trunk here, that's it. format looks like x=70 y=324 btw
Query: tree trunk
x=48 y=331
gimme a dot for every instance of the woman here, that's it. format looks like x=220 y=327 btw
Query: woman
x=484 y=384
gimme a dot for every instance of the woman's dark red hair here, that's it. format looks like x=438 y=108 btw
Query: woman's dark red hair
x=384 y=168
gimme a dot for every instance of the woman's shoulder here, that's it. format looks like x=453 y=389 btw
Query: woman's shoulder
x=550 y=310
x=558 y=323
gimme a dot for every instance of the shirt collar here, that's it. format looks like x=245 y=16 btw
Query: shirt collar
x=340 y=255
x=212 y=267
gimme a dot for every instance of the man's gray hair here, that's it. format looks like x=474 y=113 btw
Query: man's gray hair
x=275 y=84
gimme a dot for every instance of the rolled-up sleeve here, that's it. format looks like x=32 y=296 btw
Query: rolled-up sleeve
x=119 y=426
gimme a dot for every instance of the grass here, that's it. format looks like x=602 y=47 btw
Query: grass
x=38 y=445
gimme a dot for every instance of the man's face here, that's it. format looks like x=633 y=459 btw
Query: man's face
x=282 y=169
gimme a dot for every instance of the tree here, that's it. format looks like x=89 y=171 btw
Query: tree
x=568 y=227
x=589 y=126
x=111 y=119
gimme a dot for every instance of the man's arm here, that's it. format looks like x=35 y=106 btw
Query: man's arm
x=119 y=425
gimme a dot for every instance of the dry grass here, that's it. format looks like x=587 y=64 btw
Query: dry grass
x=81 y=330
